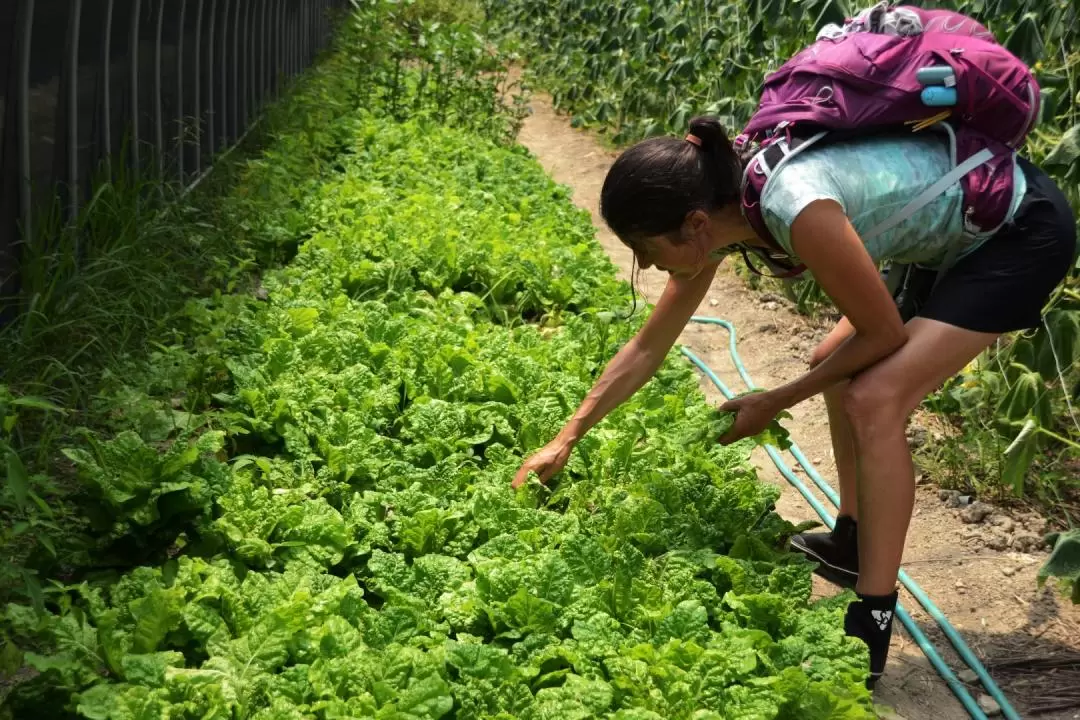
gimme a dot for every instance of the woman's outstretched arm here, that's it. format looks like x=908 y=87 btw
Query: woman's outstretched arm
x=627 y=372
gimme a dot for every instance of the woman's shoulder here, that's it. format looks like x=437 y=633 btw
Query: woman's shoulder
x=860 y=164
x=872 y=154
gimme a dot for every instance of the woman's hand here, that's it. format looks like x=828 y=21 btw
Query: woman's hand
x=546 y=462
x=753 y=413
x=631 y=368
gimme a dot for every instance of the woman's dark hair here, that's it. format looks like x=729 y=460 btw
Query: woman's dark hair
x=651 y=187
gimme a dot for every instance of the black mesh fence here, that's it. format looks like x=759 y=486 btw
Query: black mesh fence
x=159 y=87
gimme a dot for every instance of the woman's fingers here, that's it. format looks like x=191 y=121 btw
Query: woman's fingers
x=521 y=477
x=541 y=468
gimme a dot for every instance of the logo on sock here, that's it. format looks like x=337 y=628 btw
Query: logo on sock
x=882 y=617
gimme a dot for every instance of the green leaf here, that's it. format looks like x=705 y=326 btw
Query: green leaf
x=1067 y=151
x=1064 y=562
x=529 y=613
x=1019 y=457
x=302 y=320
x=122 y=702
x=429 y=697
x=18 y=481
x=149 y=669
x=155 y=615
x=1026 y=40
x=36 y=403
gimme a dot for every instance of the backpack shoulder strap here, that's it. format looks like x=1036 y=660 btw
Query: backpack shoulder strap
x=929 y=194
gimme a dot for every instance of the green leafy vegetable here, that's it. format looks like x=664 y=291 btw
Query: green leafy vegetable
x=336 y=530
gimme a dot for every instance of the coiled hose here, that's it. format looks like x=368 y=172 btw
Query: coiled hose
x=917 y=592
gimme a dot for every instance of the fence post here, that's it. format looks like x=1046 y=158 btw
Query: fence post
x=133 y=58
x=279 y=41
x=328 y=29
x=305 y=29
x=74 y=23
x=236 y=89
x=22 y=102
x=249 y=65
x=181 y=144
x=159 y=110
x=224 y=97
x=294 y=27
x=106 y=65
x=264 y=85
x=210 y=84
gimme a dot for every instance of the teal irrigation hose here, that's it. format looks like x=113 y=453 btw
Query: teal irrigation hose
x=954 y=637
x=905 y=619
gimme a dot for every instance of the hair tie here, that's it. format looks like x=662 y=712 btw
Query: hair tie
x=693 y=139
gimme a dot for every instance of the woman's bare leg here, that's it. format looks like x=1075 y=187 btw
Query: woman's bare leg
x=839 y=428
x=878 y=402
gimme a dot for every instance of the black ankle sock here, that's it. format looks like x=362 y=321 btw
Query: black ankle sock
x=846 y=529
x=881 y=608
x=879 y=602
x=870 y=619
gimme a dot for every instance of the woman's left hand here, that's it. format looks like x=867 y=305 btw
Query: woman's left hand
x=753 y=413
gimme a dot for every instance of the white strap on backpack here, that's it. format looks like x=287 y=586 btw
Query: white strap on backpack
x=929 y=195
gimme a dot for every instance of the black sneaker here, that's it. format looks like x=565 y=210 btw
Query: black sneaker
x=870 y=619
x=836 y=552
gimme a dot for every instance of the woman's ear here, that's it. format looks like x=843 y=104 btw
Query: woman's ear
x=696 y=227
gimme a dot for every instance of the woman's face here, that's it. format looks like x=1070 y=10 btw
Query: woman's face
x=675 y=257
x=700 y=242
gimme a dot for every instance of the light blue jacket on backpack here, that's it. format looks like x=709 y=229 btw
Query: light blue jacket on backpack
x=871 y=179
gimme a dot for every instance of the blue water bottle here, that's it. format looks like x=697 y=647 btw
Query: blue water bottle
x=938 y=96
x=936 y=75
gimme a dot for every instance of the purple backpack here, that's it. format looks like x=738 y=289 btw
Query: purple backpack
x=873 y=75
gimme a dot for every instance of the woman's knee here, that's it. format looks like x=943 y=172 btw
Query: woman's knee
x=871 y=407
x=820 y=354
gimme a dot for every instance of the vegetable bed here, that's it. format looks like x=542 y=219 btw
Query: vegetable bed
x=343 y=541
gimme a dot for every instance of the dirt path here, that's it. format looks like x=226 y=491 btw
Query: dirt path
x=989 y=596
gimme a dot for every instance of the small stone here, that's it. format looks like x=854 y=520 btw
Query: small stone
x=818 y=461
x=772 y=306
x=989 y=705
x=1005 y=523
x=889 y=714
x=968 y=676
x=1026 y=542
x=713 y=302
x=997 y=540
x=959 y=584
x=976 y=512
x=1037 y=525
x=768 y=328
x=1008 y=571
x=921 y=479
x=916 y=437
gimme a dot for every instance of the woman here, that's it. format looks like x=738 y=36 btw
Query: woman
x=675 y=203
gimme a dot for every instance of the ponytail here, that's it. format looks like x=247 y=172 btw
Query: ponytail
x=653 y=186
x=722 y=163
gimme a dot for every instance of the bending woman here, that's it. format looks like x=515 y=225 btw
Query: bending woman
x=675 y=203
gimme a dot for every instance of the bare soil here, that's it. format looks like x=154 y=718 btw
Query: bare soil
x=990 y=596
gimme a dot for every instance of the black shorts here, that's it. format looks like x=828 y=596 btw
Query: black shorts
x=1003 y=285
